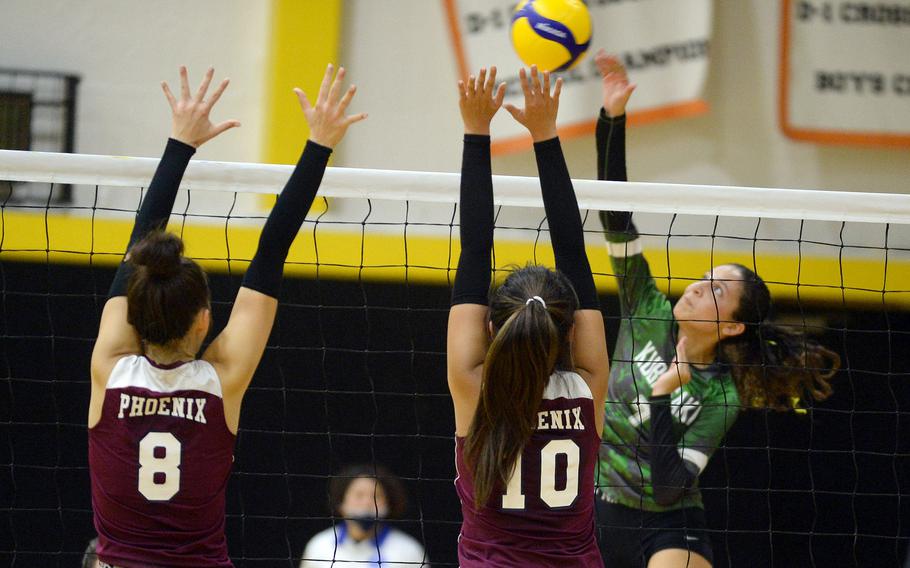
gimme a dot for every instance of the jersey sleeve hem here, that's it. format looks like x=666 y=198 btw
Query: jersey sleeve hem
x=695 y=457
x=624 y=249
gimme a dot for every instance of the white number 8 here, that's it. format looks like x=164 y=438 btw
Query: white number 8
x=168 y=464
x=515 y=499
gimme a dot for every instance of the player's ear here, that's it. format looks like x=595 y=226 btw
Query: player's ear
x=732 y=329
x=203 y=320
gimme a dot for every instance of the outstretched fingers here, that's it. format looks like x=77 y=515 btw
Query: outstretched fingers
x=349 y=120
x=190 y=112
x=218 y=92
x=304 y=101
x=226 y=125
x=535 y=81
x=336 y=86
x=171 y=100
x=326 y=118
x=491 y=80
x=500 y=94
x=184 y=83
x=204 y=85
x=462 y=94
x=479 y=99
x=346 y=99
x=523 y=79
x=540 y=108
x=326 y=84
x=608 y=63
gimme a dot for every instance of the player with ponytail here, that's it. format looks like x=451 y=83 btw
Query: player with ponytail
x=527 y=362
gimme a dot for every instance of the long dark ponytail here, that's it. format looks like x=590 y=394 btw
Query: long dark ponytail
x=165 y=291
x=532 y=314
x=774 y=366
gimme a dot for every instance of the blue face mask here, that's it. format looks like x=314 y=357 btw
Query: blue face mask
x=366 y=521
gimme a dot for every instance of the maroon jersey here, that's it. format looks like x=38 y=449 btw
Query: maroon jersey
x=160 y=458
x=545 y=515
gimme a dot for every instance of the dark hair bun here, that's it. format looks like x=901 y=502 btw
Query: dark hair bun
x=160 y=253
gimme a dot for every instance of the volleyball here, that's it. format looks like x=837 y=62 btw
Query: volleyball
x=552 y=34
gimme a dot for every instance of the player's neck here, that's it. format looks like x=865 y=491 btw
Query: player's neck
x=359 y=534
x=166 y=356
x=700 y=350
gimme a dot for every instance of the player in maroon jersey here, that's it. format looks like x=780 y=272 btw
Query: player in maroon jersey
x=528 y=365
x=162 y=423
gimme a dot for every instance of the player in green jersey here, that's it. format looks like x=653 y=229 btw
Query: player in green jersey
x=680 y=375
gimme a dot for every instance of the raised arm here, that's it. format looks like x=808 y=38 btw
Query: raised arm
x=237 y=350
x=610 y=134
x=637 y=291
x=566 y=232
x=468 y=335
x=191 y=127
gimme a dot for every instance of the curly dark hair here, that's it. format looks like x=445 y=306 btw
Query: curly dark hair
x=774 y=366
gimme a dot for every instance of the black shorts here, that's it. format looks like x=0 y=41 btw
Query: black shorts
x=629 y=537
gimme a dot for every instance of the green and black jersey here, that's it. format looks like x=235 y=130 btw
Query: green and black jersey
x=702 y=410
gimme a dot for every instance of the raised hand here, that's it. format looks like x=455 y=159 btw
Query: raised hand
x=478 y=101
x=541 y=107
x=326 y=118
x=190 y=113
x=615 y=83
x=679 y=373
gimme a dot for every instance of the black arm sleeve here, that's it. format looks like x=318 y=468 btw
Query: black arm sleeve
x=611 y=165
x=566 y=231
x=472 y=279
x=265 y=271
x=671 y=475
x=156 y=207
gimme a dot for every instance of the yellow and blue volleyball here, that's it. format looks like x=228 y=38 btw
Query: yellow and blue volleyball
x=552 y=34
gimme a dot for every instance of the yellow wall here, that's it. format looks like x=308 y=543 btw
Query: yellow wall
x=304 y=38
x=431 y=260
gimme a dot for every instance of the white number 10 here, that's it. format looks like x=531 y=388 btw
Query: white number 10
x=168 y=465
x=515 y=499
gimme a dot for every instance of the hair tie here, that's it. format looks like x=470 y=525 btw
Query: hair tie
x=536 y=299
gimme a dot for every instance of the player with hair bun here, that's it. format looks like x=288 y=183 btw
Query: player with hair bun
x=527 y=362
x=162 y=423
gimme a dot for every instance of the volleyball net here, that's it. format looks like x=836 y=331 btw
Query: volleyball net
x=355 y=368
